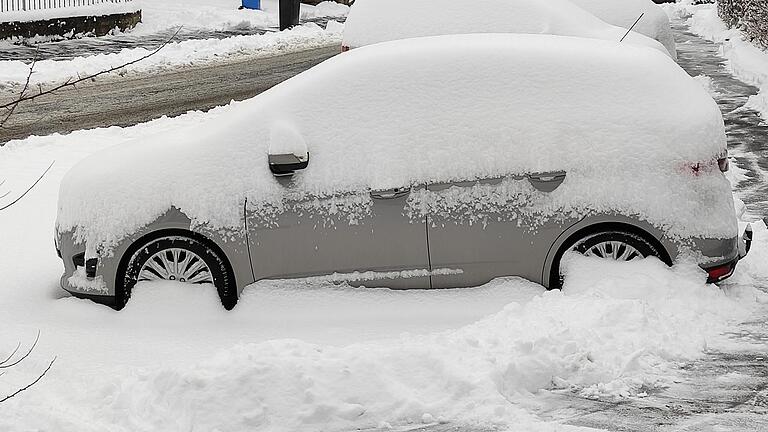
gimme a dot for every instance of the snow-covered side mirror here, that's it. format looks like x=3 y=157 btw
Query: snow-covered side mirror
x=287 y=150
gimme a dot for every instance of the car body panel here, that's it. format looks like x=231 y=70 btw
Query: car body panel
x=499 y=245
x=320 y=237
x=233 y=246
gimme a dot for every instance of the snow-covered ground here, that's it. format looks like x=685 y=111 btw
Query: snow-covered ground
x=745 y=60
x=166 y=16
x=299 y=356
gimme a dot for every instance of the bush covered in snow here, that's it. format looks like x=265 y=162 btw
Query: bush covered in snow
x=750 y=16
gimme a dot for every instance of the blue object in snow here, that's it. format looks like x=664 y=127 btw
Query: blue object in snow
x=252 y=4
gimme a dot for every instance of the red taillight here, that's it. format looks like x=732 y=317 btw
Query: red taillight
x=716 y=274
x=722 y=163
x=344 y=48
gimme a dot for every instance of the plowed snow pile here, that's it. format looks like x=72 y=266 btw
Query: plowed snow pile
x=610 y=336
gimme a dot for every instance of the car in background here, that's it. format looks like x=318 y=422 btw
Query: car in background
x=435 y=162
x=623 y=13
x=374 y=21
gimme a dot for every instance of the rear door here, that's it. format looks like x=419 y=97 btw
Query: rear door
x=480 y=230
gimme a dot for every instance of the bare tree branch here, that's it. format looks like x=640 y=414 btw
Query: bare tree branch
x=26 y=387
x=29 y=188
x=12 y=108
x=6 y=365
x=72 y=82
x=18 y=345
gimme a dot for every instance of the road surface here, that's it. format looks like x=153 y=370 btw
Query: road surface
x=125 y=101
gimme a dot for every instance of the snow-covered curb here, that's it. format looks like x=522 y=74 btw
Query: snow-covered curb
x=746 y=61
x=176 y=54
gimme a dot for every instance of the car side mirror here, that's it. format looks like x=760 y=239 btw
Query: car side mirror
x=287 y=150
x=286 y=164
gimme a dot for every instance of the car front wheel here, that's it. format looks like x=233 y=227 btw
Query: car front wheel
x=177 y=258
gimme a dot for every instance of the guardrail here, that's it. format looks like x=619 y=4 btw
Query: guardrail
x=35 y=5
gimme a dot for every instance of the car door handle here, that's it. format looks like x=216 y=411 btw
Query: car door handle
x=548 y=181
x=390 y=193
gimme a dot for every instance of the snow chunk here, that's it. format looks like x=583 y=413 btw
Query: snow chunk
x=624 y=122
x=623 y=13
x=373 y=21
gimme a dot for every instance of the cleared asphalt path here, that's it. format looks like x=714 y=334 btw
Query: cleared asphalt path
x=125 y=101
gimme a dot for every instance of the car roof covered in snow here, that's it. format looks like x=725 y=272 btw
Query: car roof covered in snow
x=373 y=21
x=424 y=110
x=623 y=13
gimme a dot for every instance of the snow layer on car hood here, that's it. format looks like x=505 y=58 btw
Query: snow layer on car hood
x=373 y=21
x=624 y=122
x=623 y=13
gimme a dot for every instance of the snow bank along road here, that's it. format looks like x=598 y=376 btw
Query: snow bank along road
x=125 y=101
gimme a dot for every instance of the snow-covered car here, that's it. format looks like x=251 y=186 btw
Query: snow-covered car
x=623 y=13
x=374 y=21
x=424 y=163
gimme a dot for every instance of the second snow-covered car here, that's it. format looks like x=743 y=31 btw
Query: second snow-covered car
x=424 y=163
x=374 y=21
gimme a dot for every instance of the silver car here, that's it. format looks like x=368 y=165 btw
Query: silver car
x=420 y=234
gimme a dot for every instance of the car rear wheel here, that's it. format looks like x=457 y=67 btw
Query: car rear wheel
x=177 y=258
x=610 y=245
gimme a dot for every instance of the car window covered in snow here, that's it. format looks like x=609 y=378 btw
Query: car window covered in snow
x=373 y=21
x=624 y=122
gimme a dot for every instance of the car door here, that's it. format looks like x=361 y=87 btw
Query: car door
x=481 y=230
x=359 y=238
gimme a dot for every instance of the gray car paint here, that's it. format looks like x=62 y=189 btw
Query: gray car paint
x=300 y=245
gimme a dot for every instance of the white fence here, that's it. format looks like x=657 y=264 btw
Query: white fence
x=39 y=5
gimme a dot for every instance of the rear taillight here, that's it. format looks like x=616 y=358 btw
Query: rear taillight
x=723 y=164
x=709 y=166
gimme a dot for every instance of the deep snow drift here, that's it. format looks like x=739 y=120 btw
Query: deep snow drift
x=373 y=21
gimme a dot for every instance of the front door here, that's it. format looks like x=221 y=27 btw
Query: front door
x=361 y=239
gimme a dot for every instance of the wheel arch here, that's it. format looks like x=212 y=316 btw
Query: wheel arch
x=592 y=225
x=166 y=232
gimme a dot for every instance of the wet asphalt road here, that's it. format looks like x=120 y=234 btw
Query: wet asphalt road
x=85 y=46
x=126 y=101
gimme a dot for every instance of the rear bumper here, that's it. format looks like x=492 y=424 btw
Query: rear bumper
x=718 y=272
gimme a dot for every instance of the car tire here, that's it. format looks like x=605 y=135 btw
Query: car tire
x=154 y=260
x=613 y=244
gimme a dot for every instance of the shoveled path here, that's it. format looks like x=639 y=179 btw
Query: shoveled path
x=126 y=101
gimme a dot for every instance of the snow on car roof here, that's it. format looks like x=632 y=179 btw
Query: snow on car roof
x=373 y=21
x=623 y=13
x=620 y=119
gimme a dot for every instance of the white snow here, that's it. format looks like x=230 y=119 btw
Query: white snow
x=623 y=13
x=174 y=55
x=106 y=7
x=746 y=61
x=373 y=21
x=635 y=118
x=308 y=356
